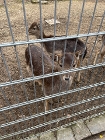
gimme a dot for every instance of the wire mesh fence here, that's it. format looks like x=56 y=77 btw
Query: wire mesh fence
x=50 y=75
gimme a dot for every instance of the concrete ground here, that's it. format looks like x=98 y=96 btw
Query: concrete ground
x=92 y=129
x=100 y=136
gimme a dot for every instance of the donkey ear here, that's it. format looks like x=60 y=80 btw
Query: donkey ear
x=56 y=58
x=77 y=54
x=59 y=53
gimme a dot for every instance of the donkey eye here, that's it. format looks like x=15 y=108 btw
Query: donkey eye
x=34 y=28
x=74 y=65
x=60 y=65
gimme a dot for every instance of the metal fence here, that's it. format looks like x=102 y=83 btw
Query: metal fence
x=21 y=99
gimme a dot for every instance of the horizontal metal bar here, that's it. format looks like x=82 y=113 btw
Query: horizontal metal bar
x=50 y=74
x=52 y=111
x=50 y=122
x=49 y=39
x=50 y=96
x=71 y=123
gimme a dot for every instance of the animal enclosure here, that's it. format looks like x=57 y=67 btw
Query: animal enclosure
x=22 y=99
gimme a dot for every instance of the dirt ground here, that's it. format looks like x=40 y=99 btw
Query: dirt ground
x=19 y=93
